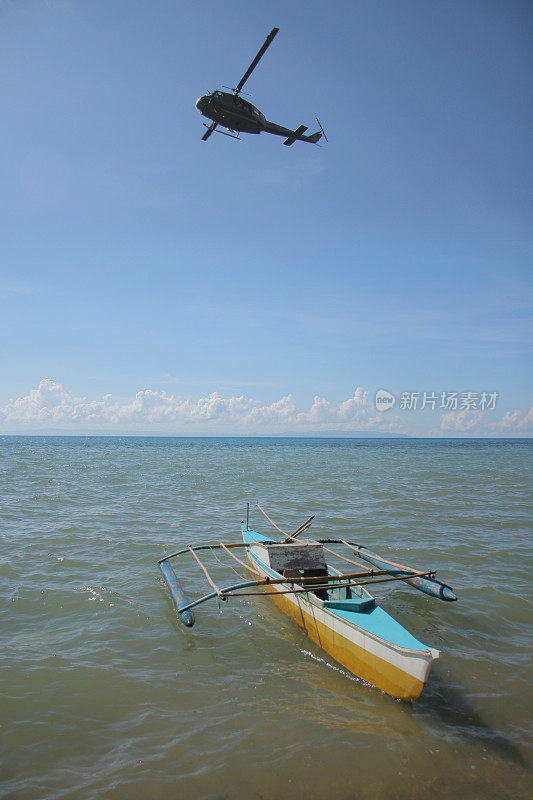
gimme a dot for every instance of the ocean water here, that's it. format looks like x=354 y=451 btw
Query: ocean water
x=104 y=694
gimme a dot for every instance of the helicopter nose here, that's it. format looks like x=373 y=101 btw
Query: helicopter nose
x=200 y=104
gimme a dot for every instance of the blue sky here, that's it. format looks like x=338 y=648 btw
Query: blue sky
x=136 y=257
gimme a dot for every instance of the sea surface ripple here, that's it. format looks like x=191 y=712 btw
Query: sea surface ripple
x=106 y=695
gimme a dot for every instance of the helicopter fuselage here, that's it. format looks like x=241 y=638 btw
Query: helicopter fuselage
x=232 y=112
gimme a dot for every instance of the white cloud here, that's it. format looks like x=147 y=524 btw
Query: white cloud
x=49 y=405
x=464 y=420
x=51 y=408
x=482 y=423
x=516 y=421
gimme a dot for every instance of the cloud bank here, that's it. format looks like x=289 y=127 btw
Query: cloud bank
x=50 y=407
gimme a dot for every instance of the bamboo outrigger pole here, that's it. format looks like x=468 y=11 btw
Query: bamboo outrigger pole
x=303 y=527
x=430 y=586
x=239 y=561
x=288 y=536
x=332 y=582
x=206 y=573
x=272 y=522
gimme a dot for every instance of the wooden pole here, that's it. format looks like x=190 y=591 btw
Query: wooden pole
x=211 y=546
x=320 y=586
x=385 y=560
x=299 y=530
x=322 y=579
x=243 y=563
x=229 y=591
x=272 y=521
x=207 y=575
x=343 y=558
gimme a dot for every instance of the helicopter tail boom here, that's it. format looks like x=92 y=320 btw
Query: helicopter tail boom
x=314 y=137
x=292 y=136
x=299 y=134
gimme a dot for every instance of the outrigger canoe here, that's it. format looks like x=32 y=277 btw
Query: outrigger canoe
x=334 y=607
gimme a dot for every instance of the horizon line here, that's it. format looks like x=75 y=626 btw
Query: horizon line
x=394 y=436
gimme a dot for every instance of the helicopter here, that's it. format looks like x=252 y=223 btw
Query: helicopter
x=237 y=115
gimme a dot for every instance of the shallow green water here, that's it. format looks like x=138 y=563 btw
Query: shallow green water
x=106 y=695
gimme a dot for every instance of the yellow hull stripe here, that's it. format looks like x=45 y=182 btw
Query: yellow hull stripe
x=357 y=660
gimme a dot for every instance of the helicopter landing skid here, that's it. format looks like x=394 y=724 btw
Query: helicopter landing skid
x=231 y=135
x=234 y=135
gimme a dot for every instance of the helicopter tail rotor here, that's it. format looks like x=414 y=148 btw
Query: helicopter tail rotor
x=322 y=129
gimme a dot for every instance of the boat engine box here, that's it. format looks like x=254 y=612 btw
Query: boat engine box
x=283 y=557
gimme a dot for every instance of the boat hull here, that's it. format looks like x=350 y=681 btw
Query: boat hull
x=399 y=671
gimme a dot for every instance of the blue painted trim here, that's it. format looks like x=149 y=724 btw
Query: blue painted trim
x=187 y=617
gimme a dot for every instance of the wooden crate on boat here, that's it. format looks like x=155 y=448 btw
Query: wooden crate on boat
x=300 y=557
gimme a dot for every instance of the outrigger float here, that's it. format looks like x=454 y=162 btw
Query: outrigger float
x=333 y=606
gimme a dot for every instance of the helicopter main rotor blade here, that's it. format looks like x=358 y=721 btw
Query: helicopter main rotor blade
x=256 y=61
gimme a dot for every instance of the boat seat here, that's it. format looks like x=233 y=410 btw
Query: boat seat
x=354 y=604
